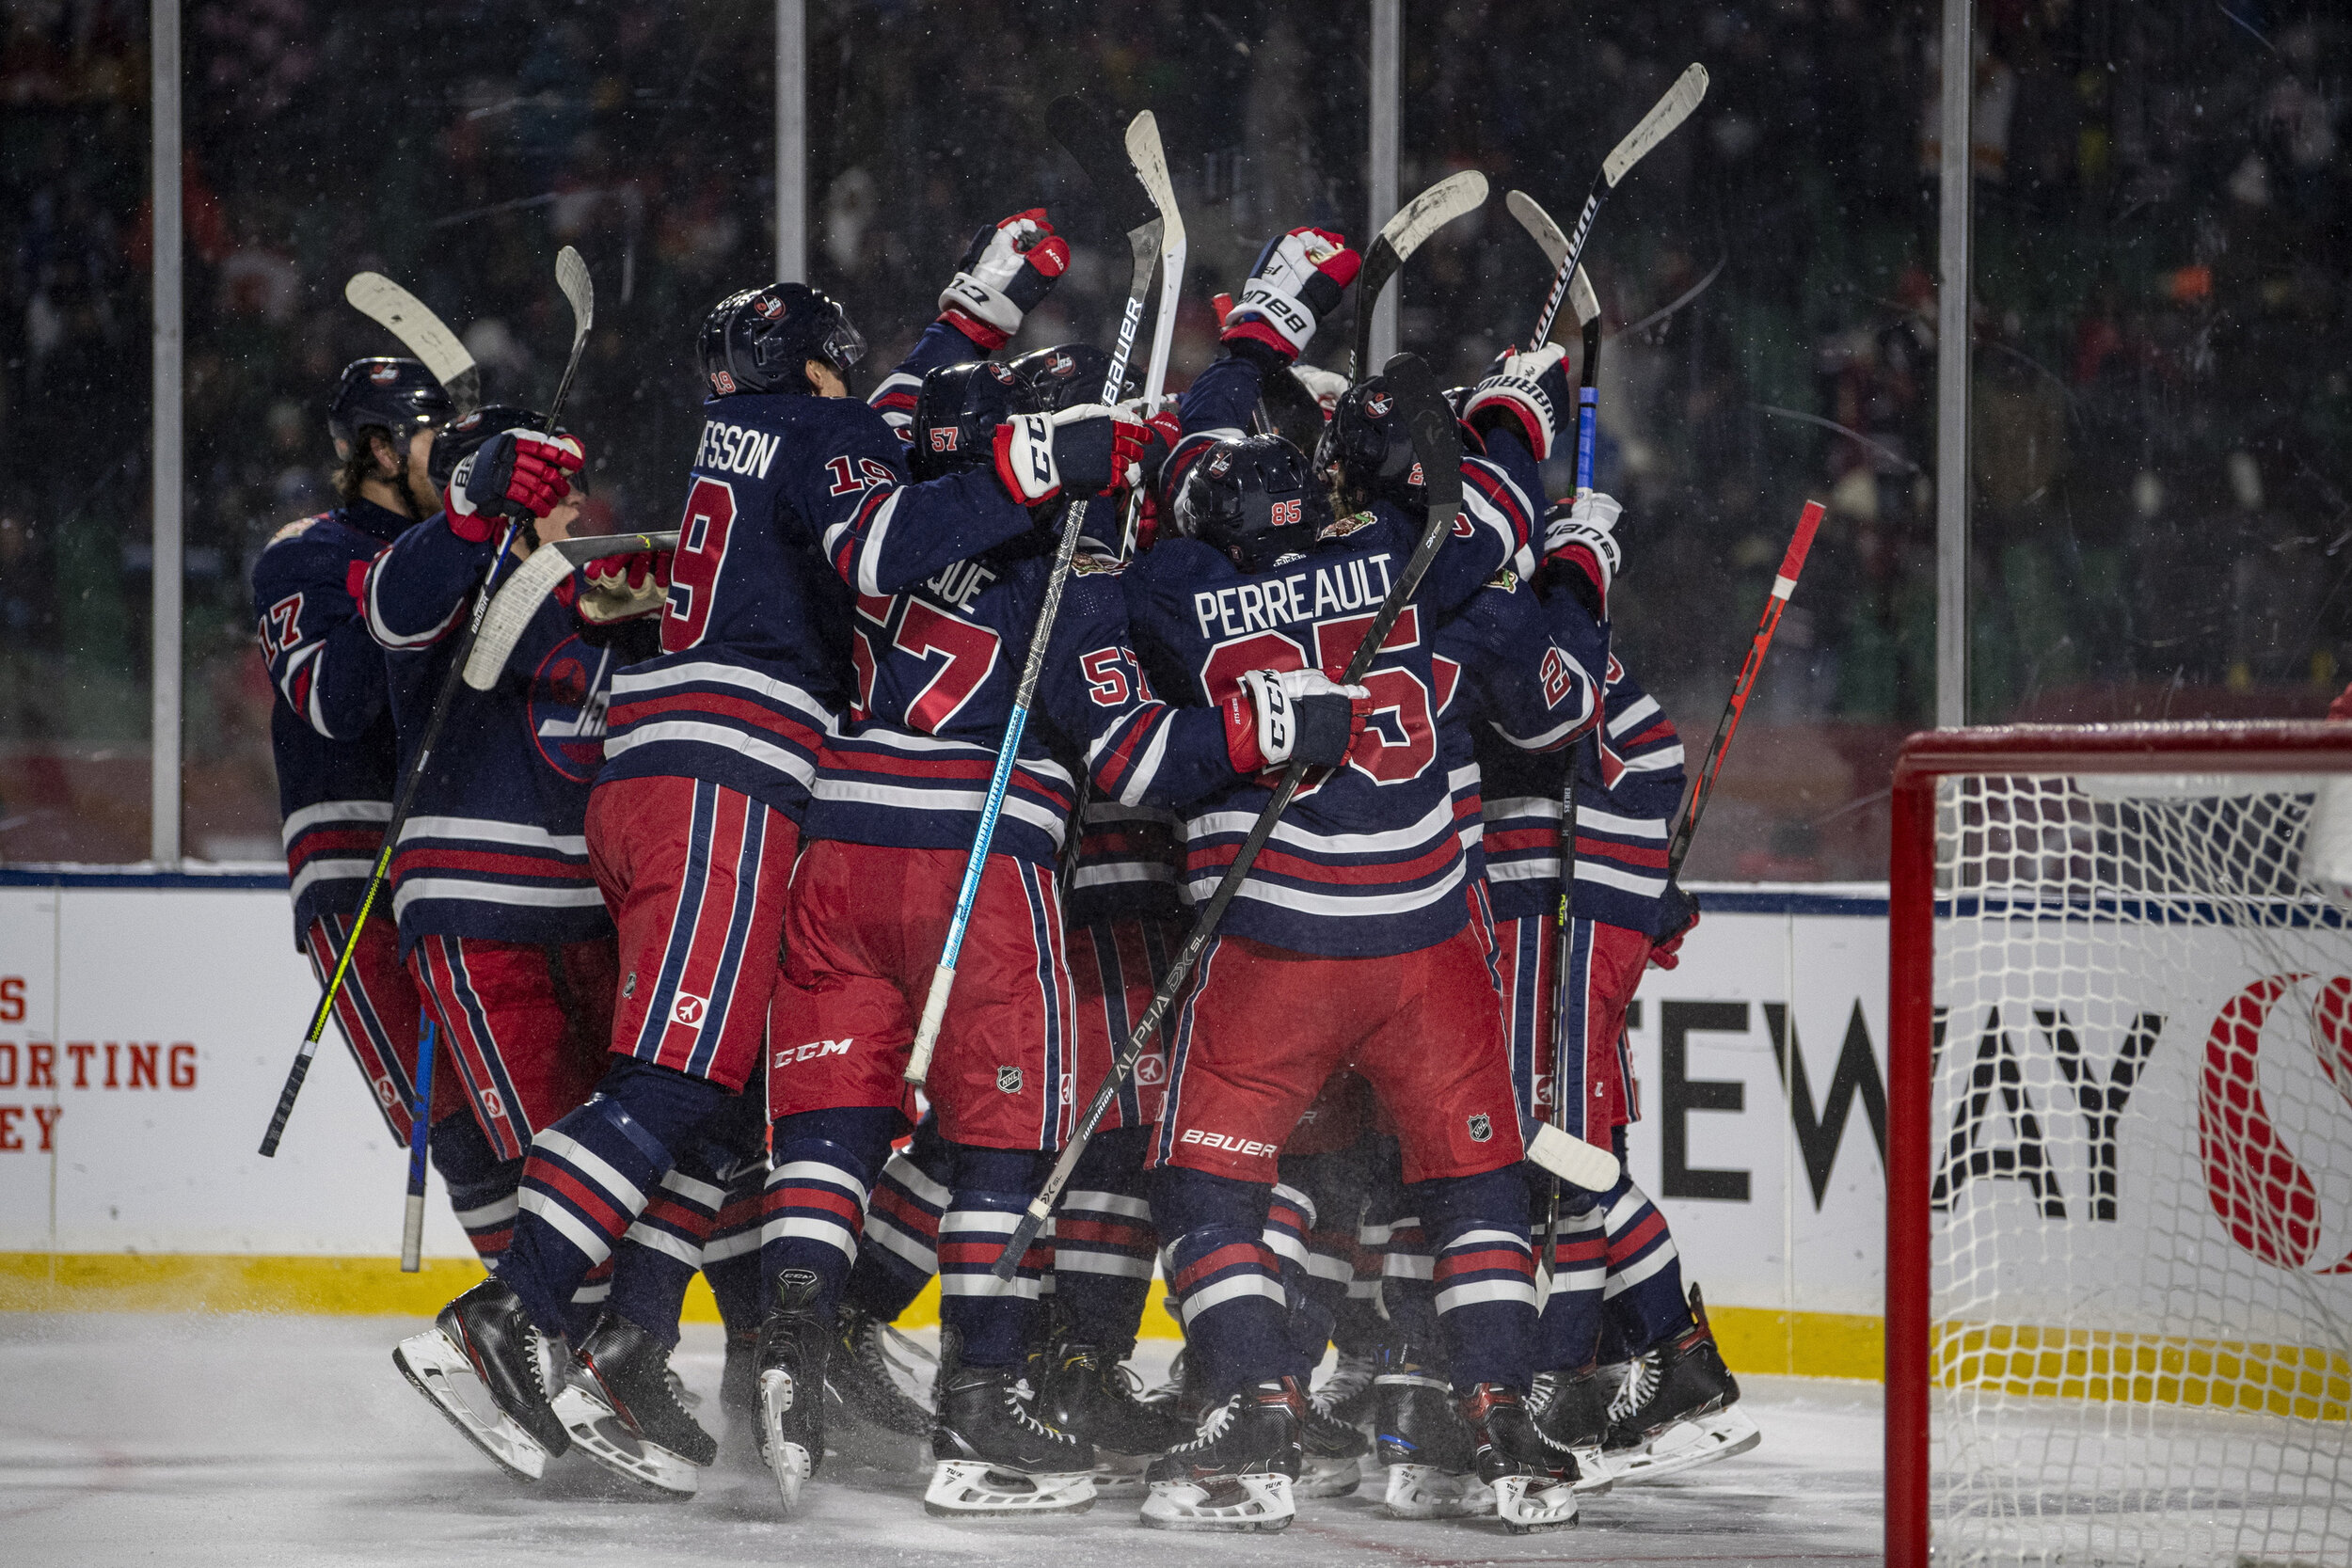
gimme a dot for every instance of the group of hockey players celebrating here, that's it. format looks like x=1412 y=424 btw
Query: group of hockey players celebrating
x=674 y=888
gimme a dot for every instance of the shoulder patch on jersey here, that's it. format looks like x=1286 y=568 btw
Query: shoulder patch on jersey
x=1354 y=522
x=297 y=528
x=1506 y=579
x=1085 y=564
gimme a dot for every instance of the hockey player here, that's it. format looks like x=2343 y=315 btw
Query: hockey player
x=1349 y=943
x=796 y=496
x=331 y=738
x=897 y=806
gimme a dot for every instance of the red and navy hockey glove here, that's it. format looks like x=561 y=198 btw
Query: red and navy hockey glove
x=1579 y=535
x=1281 y=715
x=1526 y=393
x=1678 y=915
x=1086 y=449
x=1299 y=280
x=1005 y=272
x=517 y=473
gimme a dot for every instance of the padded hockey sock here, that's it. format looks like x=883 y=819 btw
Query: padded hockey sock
x=1321 y=1276
x=1103 y=1244
x=991 y=1316
x=658 y=1255
x=731 y=1256
x=1406 y=1292
x=587 y=1179
x=1484 y=1275
x=902 y=1250
x=1236 y=1313
x=824 y=1165
x=1568 y=1330
x=481 y=1185
x=1642 y=1301
x=587 y=1302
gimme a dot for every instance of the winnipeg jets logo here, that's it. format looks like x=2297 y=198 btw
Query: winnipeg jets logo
x=570 y=693
x=1000 y=374
x=1377 y=405
x=768 y=307
x=1061 y=365
x=384 y=375
x=1221 y=462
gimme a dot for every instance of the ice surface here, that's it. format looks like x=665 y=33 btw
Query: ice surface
x=251 y=1441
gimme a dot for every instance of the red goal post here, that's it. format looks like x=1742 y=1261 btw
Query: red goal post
x=1928 y=760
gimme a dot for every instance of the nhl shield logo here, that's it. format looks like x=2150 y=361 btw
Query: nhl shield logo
x=1481 y=1128
x=1008 y=1080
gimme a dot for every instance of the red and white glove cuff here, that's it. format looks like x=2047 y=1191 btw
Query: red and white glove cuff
x=1524 y=401
x=1024 y=459
x=1241 y=735
x=978 y=312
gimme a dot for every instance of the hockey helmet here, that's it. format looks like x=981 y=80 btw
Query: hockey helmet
x=1367 y=443
x=956 y=413
x=1254 y=498
x=1070 y=373
x=400 y=395
x=761 y=340
x=467 y=436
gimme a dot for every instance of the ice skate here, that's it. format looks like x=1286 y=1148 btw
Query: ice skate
x=789 y=1369
x=1088 y=1392
x=619 y=1401
x=1239 y=1473
x=1332 y=1465
x=1429 y=1454
x=1182 y=1395
x=486 y=1367
x=1678 y=1409
x=1534 y=1485
x=862 y=1376
x=1571 y=1411
x=1347 y=1394
x=739 y=1401
x=992 y=1456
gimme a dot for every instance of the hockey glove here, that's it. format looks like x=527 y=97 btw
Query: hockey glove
x=1086 y=449
x=1581 y=535
x=1324 y=387
x=1677 y=913
x=518 y=473
x=1526 y=393
x=1162 y=431
x=1004 y=273
x=1299 y=280
x=622 y=587
x=1283 y=715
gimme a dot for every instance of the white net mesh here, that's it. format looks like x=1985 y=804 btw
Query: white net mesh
x=2142 y=1195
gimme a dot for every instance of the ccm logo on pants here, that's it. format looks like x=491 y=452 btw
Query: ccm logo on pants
x=792 y=1054
x=1229 y=1143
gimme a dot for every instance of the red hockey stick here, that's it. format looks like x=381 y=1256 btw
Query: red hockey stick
x=1784 y=584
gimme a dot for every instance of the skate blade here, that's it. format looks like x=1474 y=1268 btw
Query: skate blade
x=1251 y=1503
x=1328 y=1478
x=1595 y=1472
x=791 y=1462
x=1528 y=1504
x=600 y=1431
x=1686 y=1445
x=439 y=1371
x=1120 y=1475
x=1425 y=1492
x=968 y=1488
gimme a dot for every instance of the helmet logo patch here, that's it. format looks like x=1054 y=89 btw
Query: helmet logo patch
x=384 y=375
x=768 y=307
x=1378 y=404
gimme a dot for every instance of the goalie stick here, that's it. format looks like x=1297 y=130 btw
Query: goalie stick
x=1454 y=196
x=571 y=276
x=1437 y=445
x=1132 y=203
x=1784 y=584
x=1664 y=115
x=527 y=587
x=420 y=1131
x=408 y=318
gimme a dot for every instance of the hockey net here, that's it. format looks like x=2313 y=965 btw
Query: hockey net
x=2120 y=1172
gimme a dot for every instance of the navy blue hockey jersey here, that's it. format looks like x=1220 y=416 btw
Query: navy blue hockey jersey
x=496 y=844
x=330 y=729
x=793 y=504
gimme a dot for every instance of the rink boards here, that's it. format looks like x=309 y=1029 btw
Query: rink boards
x=146 y=1025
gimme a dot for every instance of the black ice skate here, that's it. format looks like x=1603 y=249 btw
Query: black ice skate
x=1333 y=1464
x=1239 y=1473
x=1088 y=1392
x=738 y=1400
x=1534 y=1485
x=1347 y=1394
x=485 y=1366
x=619 y=1401
x=789 y=1369
x=1571 y=1411
x=1678 y=1408
x=1430 y=1455
x=991 y=1455
x=1184 y=1396
x=870 y=1417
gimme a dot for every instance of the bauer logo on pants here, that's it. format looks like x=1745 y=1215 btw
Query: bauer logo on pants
x=1008 y=1079
x=1481 y=1128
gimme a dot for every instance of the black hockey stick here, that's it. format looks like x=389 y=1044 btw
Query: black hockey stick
x=1133 y=208
x=571 y=276
x=1664 y=115
x=1438 y=448
x=1451 y=198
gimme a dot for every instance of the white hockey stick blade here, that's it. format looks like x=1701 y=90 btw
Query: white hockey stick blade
x=1539 y=227
x=1150 y=162
x=1573 y=1160
x=1664 y=115
x=1581 y=299
x=510 y=610
x=1454 y=196
x=571 y=276
x=421 y=332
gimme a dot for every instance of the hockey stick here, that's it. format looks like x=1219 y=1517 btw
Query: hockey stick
x=1784 y=584
x=408 y=318
x=1086 y=133
x=1454 y=196
x=572 y=278
x=412 y=1223
x=1436 y=446
x=1587 y=304
x=1664 y=115
x=528 y=586
x=1151 y=164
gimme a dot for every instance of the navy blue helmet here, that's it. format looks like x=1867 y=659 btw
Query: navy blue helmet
x=1367 y=442
x=1254 y=498
x=463 y=438
x=761 y=340
x=400 y=395
x=1071 y=372
x=956 y=413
